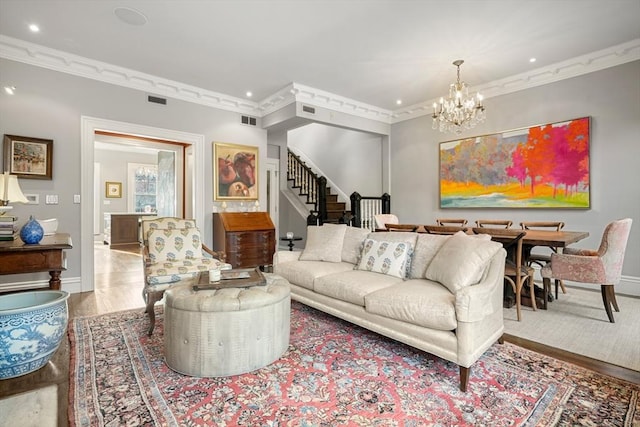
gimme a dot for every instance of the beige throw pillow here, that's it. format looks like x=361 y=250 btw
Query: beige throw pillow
x=461 y=260
x=352 y=246
x=324 y=243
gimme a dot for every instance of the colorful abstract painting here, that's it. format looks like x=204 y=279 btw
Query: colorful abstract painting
x=543 y=166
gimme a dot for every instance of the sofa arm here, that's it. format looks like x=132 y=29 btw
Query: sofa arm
x=475 y=302
x=285 y=256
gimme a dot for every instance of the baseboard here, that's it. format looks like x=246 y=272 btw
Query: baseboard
x=70 y=284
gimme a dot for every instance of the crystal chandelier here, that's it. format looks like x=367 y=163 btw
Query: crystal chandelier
x=459 y=111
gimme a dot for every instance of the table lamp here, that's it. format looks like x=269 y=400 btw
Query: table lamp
x=10 y=192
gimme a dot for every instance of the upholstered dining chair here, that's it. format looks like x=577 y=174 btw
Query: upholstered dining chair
x=172 y=252
x=516 y=272
x=541 y=259
x=454 y=222
x=602 y=266
x=381 y=219
x=494 y=223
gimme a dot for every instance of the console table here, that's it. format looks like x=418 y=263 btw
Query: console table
x=48 y=255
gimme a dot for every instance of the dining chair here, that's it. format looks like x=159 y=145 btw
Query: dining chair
x=401 y=227
x=516 y=272
x=542 y=259
x=602 y=266
x=443 y=229
x=493 y=223
x=381 y=219
x=455 y=222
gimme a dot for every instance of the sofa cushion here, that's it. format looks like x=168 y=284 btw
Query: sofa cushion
x=324 y=243
x=427 y=246
x=174 y=244
x=304 y=273
x=352 y=245
x=420 y=302
x=352 y=286
x=391 y=258
x=461 y=261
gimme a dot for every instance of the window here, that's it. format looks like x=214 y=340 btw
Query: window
x=143 y=180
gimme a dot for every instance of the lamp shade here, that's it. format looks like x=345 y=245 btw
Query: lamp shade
x=10 y=191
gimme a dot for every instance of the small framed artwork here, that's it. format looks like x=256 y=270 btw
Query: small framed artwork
x=113 y=190
x=33 y=199
x=28 y=157
x=235 y=172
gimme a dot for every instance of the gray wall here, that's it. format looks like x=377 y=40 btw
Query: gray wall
x=49 y=104
x=342 y=155
x=611 y=97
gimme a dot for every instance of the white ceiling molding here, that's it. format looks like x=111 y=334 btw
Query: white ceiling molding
x=22 y=51
x=595 y=61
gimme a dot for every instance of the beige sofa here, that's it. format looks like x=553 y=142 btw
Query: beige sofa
x=440 y=294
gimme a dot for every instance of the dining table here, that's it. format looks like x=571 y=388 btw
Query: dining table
x=546 y=238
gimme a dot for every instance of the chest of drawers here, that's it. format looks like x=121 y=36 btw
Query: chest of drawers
x=247 y=238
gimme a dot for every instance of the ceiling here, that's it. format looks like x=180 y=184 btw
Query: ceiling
x=371 y=51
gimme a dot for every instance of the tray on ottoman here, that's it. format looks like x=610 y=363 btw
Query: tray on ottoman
x=235 y=278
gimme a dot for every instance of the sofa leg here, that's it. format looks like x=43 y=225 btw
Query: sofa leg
x=501 y=340
x=464 y=378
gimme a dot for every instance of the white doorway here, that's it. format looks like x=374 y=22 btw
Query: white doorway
x=273 y=191
x=89 y=126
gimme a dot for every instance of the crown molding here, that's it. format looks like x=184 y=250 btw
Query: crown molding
x=585 y=64
x=33 y=54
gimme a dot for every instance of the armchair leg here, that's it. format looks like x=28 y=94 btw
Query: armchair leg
x=152 y=299
x=609 y=299
x=464 y=378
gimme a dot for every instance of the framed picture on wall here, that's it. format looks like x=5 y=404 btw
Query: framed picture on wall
x=544 y=166
x=28 y=157
x=113 y=190
x=235 y=172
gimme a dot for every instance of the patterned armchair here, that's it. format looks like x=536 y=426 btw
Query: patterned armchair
x=173 y=251
x=603 y=266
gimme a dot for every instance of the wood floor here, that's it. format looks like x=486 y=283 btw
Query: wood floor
x=118 y=286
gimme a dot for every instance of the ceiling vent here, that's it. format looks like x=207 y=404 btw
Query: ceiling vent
x=246 y=120
x=157 y=100
x=308 y=109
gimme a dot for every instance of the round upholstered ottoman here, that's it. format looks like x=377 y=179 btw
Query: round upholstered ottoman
x=223 y=332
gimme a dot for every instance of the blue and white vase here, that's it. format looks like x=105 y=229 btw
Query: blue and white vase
x=32 y=232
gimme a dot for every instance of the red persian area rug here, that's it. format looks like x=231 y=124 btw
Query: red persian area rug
x=333 y=373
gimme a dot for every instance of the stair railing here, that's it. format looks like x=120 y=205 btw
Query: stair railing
x=365 y=208
x=311 y=185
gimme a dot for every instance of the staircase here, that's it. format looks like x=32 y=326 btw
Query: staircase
x=314 y=190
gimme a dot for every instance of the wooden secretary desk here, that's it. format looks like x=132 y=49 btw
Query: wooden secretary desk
x=247 y=238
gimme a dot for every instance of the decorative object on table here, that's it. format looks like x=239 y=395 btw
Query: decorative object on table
x=545 y=166
x=235 y=172
x=49 y=226
x=459 y=111
x=10 y=192
x=289 y=235
x=33 y=325
x=113 y=190
x=329 y=376
x=28 y=157
x=31 y=232
x=8 y=228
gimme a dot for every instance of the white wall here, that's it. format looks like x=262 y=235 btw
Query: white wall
x=49 y=105
x=611 y=97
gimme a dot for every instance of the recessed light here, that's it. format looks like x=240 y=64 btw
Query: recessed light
x=34 y=28
x=10 y=90
x=532 y=60
x=130 y=16
x=249 y=94
x=399 y=102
